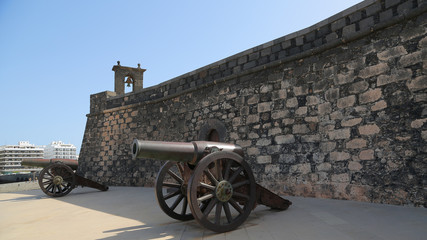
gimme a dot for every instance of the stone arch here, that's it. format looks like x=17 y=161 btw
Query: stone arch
x=213 y=130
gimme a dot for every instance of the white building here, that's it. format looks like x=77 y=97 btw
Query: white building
x=58 y=149
x=12 y=155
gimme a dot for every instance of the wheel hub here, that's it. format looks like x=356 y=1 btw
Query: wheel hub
x=224 y=191
x=57 y=180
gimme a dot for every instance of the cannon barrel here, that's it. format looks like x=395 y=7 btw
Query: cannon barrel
x=188 y=152
x=40 y=162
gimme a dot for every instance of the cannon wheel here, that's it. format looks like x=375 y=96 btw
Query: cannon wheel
x=227 y=181
x=171 y=191
x=57 y=180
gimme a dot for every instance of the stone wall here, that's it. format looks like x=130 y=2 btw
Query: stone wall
x=337 y=110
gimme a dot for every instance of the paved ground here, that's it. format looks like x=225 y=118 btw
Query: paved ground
x=132 y=213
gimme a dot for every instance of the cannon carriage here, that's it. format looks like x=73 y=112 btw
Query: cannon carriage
x=58 y=177
x=206 y=181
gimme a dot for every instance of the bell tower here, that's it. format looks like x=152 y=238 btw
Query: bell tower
x=129 y=76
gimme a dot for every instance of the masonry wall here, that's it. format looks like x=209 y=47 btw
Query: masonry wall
x=337 y=110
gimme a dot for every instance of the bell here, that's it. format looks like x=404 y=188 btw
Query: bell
x=129 y=81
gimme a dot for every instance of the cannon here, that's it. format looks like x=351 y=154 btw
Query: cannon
x=201 y=176
x=57 y=178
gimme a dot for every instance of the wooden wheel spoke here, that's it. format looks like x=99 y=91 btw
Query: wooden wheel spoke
x=176 y=177
x=172 y=185
x=227 y=212
x=239 y=184
x=227 y=170
x=237 y=194
x=173 y=194
x=48 y=182
x=206 y=197
x=235 y=174
x=205 y=185
x=169 y=183
x=218 y=170
x=59 y=188
x=180 y=168
x=49 y=186
x=177 y=201
x=184 y=206
x=209 y=207
x=218 y=212
x=235 y=205
x=211 y=176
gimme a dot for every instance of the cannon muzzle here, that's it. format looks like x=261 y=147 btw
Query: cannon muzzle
x=188 y=152
x=40 y=162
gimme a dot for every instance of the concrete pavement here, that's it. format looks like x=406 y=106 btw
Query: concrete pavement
x=133 y=213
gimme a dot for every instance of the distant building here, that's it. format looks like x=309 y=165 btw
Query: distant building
x=58 y=149
x=12 y=155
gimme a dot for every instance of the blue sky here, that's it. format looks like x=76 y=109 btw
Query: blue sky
x=55 y=54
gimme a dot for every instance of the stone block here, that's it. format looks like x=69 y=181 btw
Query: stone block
x=281 y=94
x=418 y=83
x=339 y=156
x=327 y=146
x=300 y=168
x=356 y=143
x=350 y=122
x=254 y=99
x=367 y=154
x=279 y=114
x=349 y=30
x=370 y=129
x=358 y=87
x=346 y=101
x=274 y=131
x=341 y=178
x=373 y=70
x=366 y=23
x=323 y=167
x=253 y=118
x=292 y=102
x=411 y=59
x=285 y=139
x=300 y=129
x=341 y=79
x=302 y=90
x=354 y=166
x=391 y=53
x=399 y=75
x=310 y=138
x=418 y=123
x=339 y=134
x=263 y=159
x=380 y=105
x=264 y=107
x=263 y=142
x=370 y=96
x=253 y=151
x=312 y=100
x=287 y=158
x=324 y=108
x=301 y=111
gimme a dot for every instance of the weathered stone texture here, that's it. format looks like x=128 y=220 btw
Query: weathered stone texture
x=346 y=121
